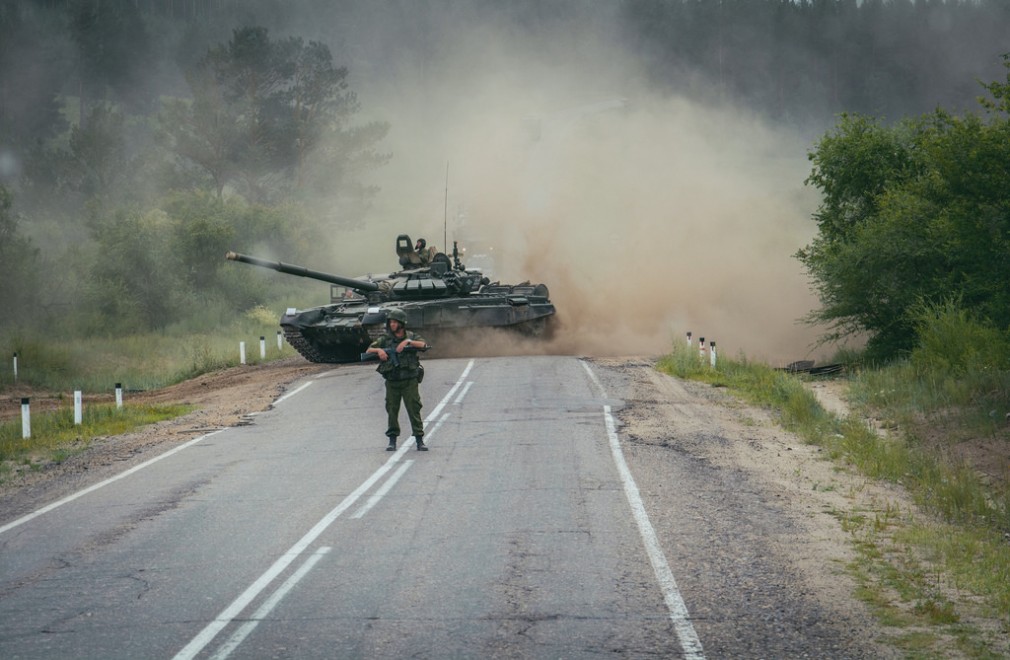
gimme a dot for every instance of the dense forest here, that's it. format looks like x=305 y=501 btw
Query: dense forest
x=141 y=139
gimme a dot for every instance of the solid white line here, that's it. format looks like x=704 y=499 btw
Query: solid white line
x=293 y=392
x=268 y=605
x=379 y=494
x=211 y=630
x=102 y=484
x=686 y=635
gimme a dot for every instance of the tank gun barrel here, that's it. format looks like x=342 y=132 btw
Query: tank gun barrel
x=301 y=271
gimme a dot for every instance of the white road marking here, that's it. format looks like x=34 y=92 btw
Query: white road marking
x=135 y=468
x=379 y=494
x=268 y=606
x=293 y=392
x=686 y=635
x=101 y=484
x=462 y=394
x=230 y=613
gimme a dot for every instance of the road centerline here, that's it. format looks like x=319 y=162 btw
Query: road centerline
x=232 y=611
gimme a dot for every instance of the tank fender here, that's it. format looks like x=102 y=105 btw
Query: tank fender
x=374 y=316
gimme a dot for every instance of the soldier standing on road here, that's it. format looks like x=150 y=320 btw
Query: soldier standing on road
x=403 y=371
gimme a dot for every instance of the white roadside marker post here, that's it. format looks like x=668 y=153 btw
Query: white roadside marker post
x=241 y=352
x=119 y=395
x=263 y=347
x=26 y=419
x=78 y=411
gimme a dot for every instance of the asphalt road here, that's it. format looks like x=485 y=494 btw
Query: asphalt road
x=518 y=535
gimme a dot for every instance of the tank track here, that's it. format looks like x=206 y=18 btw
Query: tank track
x=307 y=350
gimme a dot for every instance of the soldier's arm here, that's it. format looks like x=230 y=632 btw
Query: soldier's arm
x=377 y=350
x=412 y=341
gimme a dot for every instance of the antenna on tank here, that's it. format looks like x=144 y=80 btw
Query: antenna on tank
x=445 y=214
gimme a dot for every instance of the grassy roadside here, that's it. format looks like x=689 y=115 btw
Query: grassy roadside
x=139 y=362
x=55 y=437
x=939 y=575
x=94 y=366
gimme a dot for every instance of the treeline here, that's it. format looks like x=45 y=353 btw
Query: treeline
x=139 y=139
x=805 y=61
x=135 y=170
x=914 y=232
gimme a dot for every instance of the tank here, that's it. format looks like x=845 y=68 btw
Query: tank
x=439 y=295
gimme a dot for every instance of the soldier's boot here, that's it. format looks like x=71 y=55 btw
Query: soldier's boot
x=392 y=443
x=420 y=443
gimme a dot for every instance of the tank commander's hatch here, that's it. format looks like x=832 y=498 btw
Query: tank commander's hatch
x=405 y=252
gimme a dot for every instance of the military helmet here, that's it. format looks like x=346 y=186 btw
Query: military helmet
x=396 y=315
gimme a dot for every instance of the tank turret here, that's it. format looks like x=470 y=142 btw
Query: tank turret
x=436 y=293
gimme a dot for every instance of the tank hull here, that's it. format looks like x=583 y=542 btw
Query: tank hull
x=340 y=332
x=438 y=295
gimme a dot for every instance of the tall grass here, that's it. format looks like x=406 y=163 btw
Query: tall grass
x=97 y=364
x=957 y=377
x=759 y=384
x=56 y=435
x=138 y=362
x=944 y=486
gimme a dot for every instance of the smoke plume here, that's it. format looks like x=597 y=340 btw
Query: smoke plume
x=647 y=215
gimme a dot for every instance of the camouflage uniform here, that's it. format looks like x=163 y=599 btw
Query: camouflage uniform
x=401 y=384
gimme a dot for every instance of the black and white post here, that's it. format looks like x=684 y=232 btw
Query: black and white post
x=26 y=419
x=119 y=395
x=78 y=408
x=263 y=347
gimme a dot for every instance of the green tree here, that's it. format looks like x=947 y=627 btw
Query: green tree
x=113 y=53
x=263 y=111
x=911 y=215
x=133 y=284
x=30 y=77
x=97 y=163
x=19 y=266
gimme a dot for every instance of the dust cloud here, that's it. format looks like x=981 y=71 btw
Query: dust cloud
x=647 y=215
